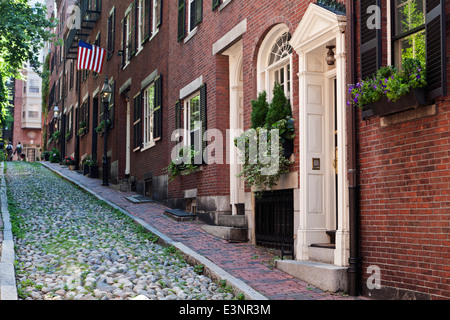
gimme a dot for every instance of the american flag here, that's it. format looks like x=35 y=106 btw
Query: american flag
x=90 y=57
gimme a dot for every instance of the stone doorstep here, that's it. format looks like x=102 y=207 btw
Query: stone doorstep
x=179 y=215
x=226 y=233
x=139 y=199
x=324 y=255
x=227 y=220
x=324 y=276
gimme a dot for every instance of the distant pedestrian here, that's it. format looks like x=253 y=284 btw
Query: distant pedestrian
x=18 y=151
x=9 y=151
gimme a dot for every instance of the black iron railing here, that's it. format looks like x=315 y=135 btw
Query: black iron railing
x=274 y=220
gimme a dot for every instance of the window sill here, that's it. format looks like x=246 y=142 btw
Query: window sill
x=224 y=4
x=149 y=145
x=408 y=115
x=127 y=63
x=190 y=35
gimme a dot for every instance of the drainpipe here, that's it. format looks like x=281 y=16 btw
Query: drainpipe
x=354 y=260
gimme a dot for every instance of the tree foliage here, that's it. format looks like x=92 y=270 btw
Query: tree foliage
x=23 y=32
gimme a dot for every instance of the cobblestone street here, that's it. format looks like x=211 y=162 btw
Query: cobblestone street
x=77 y=240
x=70 y=245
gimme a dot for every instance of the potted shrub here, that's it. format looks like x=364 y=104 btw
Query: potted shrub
x=86 y=163
x=70 y=162
x=45 y=155
x=93 y=169
x=391 y=90
x=266 y=117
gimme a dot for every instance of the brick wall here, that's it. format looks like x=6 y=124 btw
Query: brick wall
x=404 y=177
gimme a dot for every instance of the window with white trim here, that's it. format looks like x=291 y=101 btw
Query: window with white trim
x=192 y=11
x=141 y=23
x=409 y=34
x=275 y=62
x=148 y=106
x=192 y=118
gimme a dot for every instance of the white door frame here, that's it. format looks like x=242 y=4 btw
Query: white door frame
x=128 y=140
x=318 y=28
x=235 y=54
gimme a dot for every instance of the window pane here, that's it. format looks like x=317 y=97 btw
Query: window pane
x=413 y=46
x=194 y=113
x=409 y=15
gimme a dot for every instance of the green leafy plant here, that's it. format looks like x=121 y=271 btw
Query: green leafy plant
x=55 y=156
x=199 y=268
x=258 y=168
x=56 y=135
x=101 y=126
x=389 y=82
x=81 y=128
x=184 y=164
x=260 y=107
x=69 y=161
x=279 y=108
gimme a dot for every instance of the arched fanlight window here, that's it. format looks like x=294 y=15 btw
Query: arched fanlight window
x=275 y=60
x=281 y=49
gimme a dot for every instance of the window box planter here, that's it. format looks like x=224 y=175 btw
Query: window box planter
x=413 y=99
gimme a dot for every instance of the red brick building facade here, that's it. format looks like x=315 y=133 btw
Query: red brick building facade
x=171 y=63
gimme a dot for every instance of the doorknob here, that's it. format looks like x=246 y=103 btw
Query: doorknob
x=335 y=161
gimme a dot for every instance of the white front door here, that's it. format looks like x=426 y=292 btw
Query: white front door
x=316 y=157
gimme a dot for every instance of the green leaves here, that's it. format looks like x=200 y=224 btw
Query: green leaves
x=23 y=31
x=260 y=107
x=390 y=82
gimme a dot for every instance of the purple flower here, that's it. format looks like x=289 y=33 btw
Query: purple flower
x=374 y=86
x=355 y=100
x=348 y=103
x=418 y=77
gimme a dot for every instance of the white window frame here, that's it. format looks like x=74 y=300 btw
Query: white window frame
x=266 y=72
x=148 y=105
x=189 y=16
x=154 y=14
x=394 y=46
x=141 y=24
x=187 y=117
x=127 y=20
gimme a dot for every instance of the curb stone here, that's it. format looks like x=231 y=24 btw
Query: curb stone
x=8 y=289
x=210 y=269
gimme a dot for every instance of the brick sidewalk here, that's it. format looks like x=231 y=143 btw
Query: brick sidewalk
x=251 y=264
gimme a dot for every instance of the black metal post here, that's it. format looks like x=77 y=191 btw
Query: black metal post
x=105 y=147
